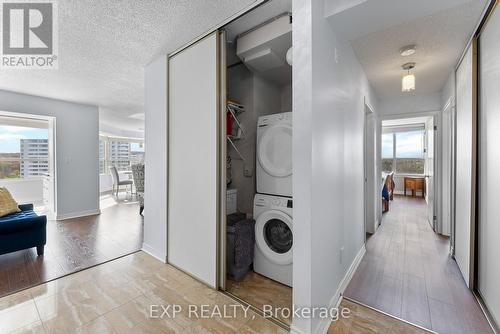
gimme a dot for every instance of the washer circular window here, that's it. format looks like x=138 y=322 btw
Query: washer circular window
x=278 y=236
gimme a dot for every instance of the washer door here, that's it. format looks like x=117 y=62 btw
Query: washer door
x=275 y=150
x=274 y=237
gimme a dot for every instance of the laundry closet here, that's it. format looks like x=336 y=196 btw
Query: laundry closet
x=229 y=161
x=259 y=225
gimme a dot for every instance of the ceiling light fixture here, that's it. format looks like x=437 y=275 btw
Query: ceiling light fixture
x=408 y=82
x=407 y=50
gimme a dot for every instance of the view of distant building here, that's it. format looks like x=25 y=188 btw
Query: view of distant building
x=119 y=154
x=34 y=156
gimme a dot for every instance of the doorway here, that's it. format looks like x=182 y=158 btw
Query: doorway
x=370 y=175
x=258 y=233
x=28 y=160
x=407 y=271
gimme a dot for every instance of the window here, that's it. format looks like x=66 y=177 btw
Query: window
x=121 y=153
x=136 y=153
x=387 y=152
x=24 y=152
x=102 y=156
x=403 y=151
x=410 y=152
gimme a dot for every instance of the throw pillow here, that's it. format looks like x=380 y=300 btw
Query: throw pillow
x=7 y=204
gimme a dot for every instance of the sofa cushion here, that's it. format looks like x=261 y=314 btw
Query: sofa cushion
x=20 y=221
x=7 y=204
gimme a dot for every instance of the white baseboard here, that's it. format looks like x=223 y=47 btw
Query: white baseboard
x=78 y=214
x=160 y=256
x=337 y=297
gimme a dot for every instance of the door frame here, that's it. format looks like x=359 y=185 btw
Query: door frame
x=437 y=149
x=435 y=171
x=368 y=112
x=52 y=141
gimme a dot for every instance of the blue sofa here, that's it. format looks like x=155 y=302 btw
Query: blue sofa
x=22 y=230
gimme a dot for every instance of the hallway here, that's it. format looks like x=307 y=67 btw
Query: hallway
x=407 y=273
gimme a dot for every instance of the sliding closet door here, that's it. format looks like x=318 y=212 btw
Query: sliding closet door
x=489 y=166
x=465 y=162
x=193 y=184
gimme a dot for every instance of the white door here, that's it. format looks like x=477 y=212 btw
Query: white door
x=193 y=160
x=464 y=171
x=429 y=170
x=489 y=167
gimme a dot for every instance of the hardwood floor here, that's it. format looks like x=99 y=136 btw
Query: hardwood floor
x=408 y=273
x=258 y=290
x=75 y=244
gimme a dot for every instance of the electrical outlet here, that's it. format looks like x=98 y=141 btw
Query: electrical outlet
x=247 y=170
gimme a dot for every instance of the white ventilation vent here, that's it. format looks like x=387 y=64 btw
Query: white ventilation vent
x=263 y=60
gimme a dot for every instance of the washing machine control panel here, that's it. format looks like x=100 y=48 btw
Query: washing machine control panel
x=276 y=201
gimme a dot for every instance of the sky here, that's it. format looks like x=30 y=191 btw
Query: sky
x=136 y=147
x=10 y=136
x=409 y=145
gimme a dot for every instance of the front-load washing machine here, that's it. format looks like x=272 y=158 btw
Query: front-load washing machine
x=274 y=154
x=273 y=237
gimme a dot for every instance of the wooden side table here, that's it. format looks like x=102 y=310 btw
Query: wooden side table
x=414 y=183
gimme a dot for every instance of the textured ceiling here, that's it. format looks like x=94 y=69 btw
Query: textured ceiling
x=104 y=45
x=440 y=39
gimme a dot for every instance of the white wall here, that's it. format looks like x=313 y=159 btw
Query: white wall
x=28 y=190
x=410 y=104
x=108 y=130
x=328 y=101
x=77 y=145
x=155 y=196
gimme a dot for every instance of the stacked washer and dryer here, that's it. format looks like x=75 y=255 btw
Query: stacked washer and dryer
x=273 y=204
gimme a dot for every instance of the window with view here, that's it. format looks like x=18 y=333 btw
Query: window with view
x=120 y=153
x=387 y=152
x=24 y=152
x=403 y=152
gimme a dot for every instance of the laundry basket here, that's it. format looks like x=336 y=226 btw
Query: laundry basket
x=240 y=243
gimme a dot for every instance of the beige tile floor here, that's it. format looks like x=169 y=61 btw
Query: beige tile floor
x=115 y=297
x=258 y=290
